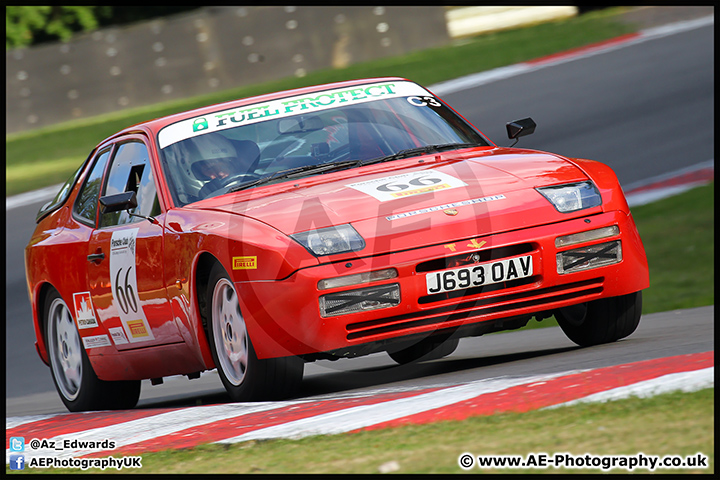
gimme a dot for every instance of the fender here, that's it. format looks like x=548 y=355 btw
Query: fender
x=606 y=181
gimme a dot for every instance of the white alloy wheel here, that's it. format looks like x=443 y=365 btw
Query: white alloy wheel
x=230 y=333
x=65 y=350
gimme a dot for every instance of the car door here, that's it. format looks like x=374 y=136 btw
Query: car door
x=125 y=268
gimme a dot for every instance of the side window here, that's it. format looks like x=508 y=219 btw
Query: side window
x=62 y=195
x=87 y=200
x=130 y=170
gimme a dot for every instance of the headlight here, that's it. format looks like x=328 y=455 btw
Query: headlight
x=328 y=241
x=572 y=197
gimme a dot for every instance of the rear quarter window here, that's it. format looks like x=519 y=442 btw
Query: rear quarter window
x=62 y=194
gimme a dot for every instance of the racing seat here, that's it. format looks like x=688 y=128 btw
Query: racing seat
x=248 y=153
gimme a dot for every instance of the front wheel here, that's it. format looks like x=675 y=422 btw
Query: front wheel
x=245 y=377
x=78 y=386
x=601 y=321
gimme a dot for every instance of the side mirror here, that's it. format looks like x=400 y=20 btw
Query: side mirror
x=118 y=202
x=520 y=128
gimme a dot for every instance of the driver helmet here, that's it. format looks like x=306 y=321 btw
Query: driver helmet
x=212 y=156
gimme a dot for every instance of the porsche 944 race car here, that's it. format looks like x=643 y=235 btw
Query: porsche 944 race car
x=319 y=223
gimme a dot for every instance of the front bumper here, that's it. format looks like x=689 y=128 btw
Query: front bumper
x=284 y=317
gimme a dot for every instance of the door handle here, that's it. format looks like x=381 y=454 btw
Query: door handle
x=96 y=257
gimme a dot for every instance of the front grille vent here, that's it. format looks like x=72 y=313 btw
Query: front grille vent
x=537 y=300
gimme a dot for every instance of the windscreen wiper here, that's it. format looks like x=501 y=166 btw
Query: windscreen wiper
x=411 y=152
x=324 y=167
x=294 y=172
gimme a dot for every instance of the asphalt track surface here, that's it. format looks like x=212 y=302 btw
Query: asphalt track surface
x=645 y=110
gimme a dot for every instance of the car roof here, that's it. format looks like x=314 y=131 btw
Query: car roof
x=155 y=125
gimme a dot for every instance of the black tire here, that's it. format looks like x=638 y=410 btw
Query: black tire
x=424 y=350
x=601 y=321
x=245 y=377
x=75 y=380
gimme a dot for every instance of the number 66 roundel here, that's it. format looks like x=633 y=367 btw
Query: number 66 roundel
x=408 y=184
x=124 y=286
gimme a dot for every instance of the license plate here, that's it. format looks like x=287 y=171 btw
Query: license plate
x=479 y=274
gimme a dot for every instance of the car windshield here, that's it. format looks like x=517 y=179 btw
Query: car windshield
x=231 y=150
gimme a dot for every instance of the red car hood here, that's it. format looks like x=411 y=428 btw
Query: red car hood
x=496 y=185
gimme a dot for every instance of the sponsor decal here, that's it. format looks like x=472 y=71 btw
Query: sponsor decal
x=138 y=328
x=123 y=283
x=423 y=101
x=286 y=107
x=84 y=312
x=96 y=341
x=244 y=263
x=446 y=206
x=407 y=184
x=199 y=124
x=474 y=243
x=118 y=336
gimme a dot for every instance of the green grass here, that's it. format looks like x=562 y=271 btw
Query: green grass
x=668 y=424
x=52 y=172
x=678 y=234
x=56 y=151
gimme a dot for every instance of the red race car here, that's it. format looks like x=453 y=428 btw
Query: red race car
x=319 y=223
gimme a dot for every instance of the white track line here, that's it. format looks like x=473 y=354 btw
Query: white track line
x=649 y=196
x=366 y=415
x=148 y=428
x=643 y=197
x=683 y=381
x=352 y=418
x=482 y=78
x=28 y=198
x=14 y=422
x=667 y=176
x=156 y=426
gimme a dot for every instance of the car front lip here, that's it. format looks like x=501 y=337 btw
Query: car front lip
x=284 y=315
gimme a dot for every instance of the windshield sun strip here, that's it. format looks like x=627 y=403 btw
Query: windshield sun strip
x=285 y=107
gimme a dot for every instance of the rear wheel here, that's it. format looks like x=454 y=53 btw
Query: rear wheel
x=78 y=386
x=601 y=321
x=424 y=350
x=244 y=376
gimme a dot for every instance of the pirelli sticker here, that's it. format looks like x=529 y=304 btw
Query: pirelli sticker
x=244 y=263
x=408 y=184
x=84 y=312
x=138 y=328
